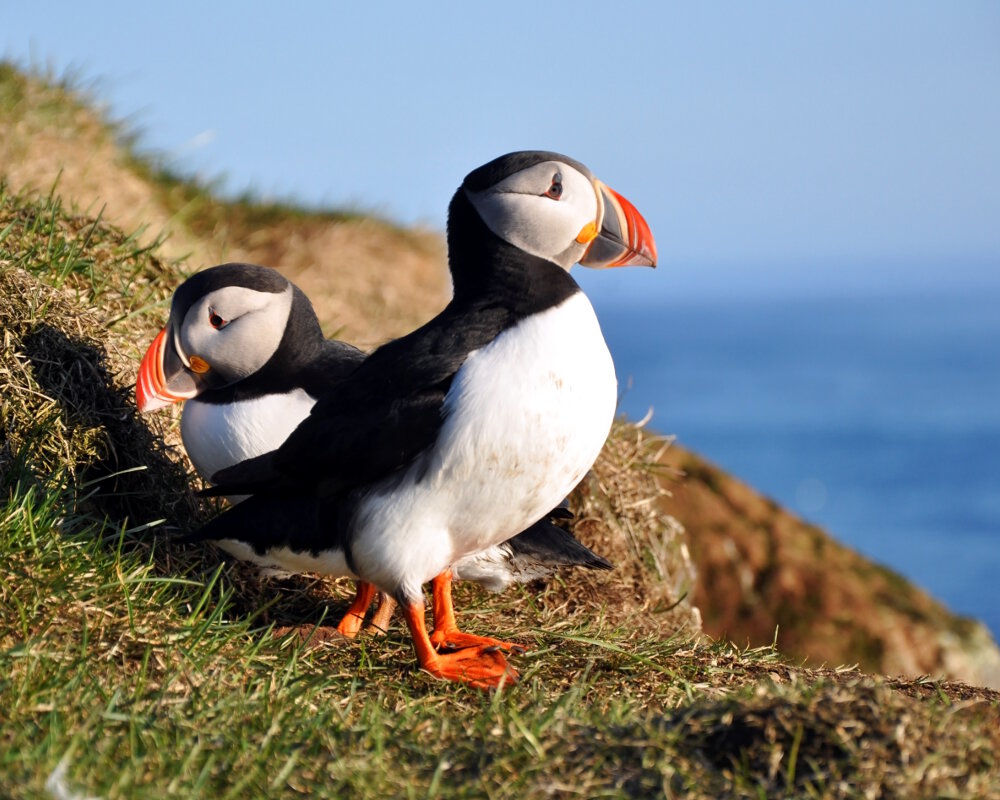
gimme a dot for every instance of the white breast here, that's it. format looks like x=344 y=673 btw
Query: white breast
x=218 y=435
x=527 y=417
x=282 y=560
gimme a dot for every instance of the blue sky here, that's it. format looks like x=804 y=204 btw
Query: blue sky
x=773 y=148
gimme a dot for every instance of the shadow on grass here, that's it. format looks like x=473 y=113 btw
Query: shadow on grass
x=120 y=468
x=122 y=473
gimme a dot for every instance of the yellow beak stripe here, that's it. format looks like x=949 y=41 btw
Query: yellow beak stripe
x=588 y=233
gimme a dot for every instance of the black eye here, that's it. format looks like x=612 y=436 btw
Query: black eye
x=215 y=320
x=555 y=190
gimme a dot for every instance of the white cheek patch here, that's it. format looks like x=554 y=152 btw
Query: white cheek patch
x=523 y=220
x=517 y=211
x=256 y=325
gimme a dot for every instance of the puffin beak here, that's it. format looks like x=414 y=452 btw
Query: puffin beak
x=623 y=239
x=163 y=377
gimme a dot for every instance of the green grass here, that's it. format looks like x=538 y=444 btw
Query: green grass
x=58 y=99
x=131 y=667
x=147 y=680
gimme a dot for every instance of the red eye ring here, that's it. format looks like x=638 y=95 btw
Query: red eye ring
x=556 y=189
x=215 y=320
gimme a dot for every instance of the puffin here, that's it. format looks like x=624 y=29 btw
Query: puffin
x=244 y=349
x=471 y=428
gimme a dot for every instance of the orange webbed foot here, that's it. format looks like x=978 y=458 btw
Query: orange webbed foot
x=454 y=639
x=446 y=633
x=482 y=666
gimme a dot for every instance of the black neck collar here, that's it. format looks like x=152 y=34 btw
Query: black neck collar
x=485 y=269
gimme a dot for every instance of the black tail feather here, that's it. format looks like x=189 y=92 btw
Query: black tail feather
x=547 y=543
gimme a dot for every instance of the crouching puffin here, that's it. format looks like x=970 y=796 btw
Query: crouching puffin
x=244 y=349
x=455 y=437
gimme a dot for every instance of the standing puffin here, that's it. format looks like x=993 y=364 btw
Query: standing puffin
x=470 y=429
x=244 y=349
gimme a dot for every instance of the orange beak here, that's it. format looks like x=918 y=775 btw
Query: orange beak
x=624 y=238
x=152 y=389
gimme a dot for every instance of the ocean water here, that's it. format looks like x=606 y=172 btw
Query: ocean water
x=878 y=418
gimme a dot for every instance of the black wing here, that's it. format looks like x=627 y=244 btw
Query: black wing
x=299 y=522
x=379 y=418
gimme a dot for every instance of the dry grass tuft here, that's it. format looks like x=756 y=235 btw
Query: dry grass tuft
x=820 y=741
x=619 y=515
x=68 y=417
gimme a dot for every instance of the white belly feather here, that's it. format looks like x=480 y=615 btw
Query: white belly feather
x=527 y=417
x=218 y=435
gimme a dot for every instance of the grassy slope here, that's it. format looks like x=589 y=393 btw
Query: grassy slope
x=370 y=280
x=144 y=669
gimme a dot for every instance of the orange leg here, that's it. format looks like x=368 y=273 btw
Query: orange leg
x=446 y=633
x=355 y=616
x=383 y=617
x=483 y=667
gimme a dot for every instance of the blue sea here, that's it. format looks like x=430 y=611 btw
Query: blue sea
x=877 y=418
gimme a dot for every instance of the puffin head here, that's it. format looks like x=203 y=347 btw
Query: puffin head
x=225 y=324
x=553 y=207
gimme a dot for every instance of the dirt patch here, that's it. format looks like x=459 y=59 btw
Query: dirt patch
x=766 y=576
